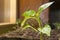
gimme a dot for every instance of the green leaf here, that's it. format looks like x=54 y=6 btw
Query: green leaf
x=46 y=30
x=44 y=6
x=29 y=13
x=57 y=25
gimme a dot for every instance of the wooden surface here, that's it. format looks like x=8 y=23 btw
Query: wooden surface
x=1 y=10
x=6 y=24
x=7 y=11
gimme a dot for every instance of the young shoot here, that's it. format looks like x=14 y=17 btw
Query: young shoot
x=31 y=14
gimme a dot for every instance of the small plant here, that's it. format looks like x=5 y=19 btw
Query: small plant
x=31 y=14
x=57 y=25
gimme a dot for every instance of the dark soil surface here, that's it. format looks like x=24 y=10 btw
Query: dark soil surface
x=30 y=34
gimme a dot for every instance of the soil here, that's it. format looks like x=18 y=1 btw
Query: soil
x=30 y=34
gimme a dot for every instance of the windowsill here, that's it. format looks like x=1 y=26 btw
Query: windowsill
x=7 y=23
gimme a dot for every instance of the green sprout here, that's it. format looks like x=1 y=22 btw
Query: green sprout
x=57 y=25
x=31 y=14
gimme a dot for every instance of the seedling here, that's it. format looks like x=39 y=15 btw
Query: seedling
x=31 y=14
x=57 y=25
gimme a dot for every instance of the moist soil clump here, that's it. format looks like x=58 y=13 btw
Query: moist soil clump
x=29 y=34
